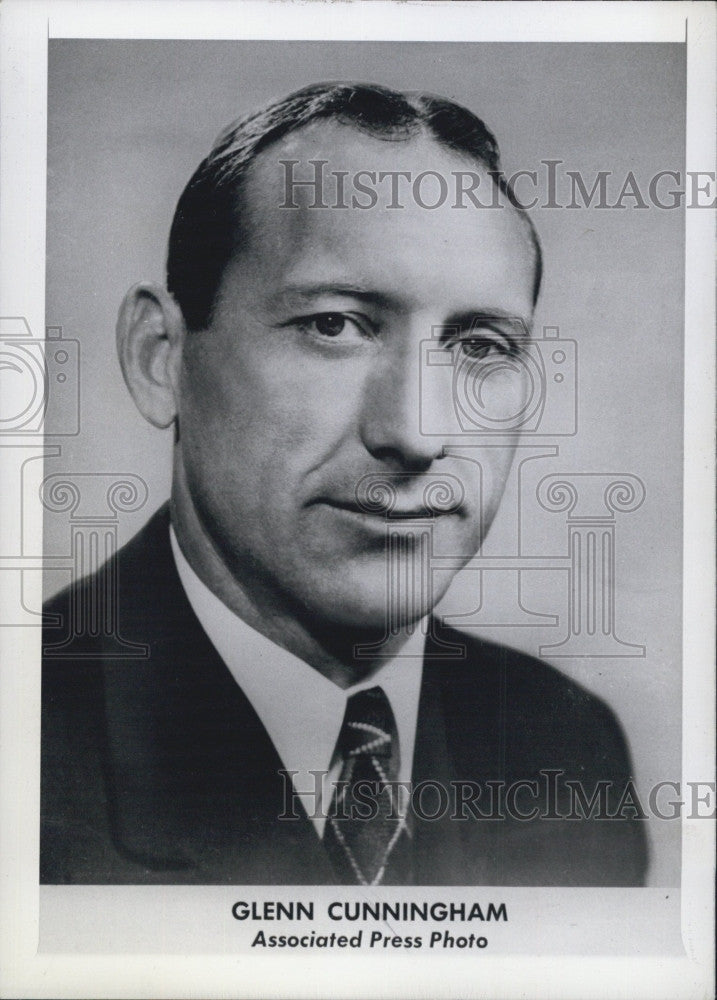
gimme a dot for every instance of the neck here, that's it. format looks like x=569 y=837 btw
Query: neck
x=326 y=646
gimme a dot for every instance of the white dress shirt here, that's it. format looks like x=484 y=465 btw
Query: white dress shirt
x=300 y=709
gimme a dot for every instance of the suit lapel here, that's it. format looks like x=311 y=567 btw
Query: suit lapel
x=194 y=789
x=458 y=740
x=437 y=845
x=193 y=777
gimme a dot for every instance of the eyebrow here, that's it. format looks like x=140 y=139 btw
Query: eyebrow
x=338 y=288
x=470 y=317
x=465 y=318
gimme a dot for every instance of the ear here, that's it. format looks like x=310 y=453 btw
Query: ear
x=150 y=339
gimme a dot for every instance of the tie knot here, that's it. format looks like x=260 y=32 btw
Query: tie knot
x=369 y=727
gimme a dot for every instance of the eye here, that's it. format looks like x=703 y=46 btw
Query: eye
x=480 y=346
x=336 y=326
x=483 y=337
x=330 y=324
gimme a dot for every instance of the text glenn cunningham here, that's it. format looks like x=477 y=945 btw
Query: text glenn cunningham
x=362 y=910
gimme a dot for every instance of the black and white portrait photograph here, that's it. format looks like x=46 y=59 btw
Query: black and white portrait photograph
x=349 y=457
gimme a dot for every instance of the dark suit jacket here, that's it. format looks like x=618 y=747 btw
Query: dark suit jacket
x=156 y=769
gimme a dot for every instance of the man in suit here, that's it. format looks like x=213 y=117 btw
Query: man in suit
x=300 y=717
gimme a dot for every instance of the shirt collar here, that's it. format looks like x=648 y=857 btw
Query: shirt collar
x=300 y=708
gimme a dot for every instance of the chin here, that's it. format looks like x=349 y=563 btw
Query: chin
x=374 y=623
x=366 y=609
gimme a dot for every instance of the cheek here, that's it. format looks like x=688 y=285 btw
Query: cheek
x=257 y=437
x=274 y=394
x=483 y=475
x=494 y=394
x=497 y=472
x=228 y=407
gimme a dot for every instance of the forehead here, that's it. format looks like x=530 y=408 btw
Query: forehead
x=283 y=232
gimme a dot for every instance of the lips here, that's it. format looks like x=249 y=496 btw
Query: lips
x=380 y=497
x=408 y=513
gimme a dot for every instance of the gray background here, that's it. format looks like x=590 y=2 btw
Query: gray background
x=130 y=120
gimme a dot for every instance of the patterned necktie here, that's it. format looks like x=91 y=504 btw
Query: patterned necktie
x=366 y=833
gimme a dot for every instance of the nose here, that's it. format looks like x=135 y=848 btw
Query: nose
x=394 y=404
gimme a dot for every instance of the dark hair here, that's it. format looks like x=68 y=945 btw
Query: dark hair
x=206 y=230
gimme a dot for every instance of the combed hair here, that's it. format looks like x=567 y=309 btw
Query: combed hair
x=206 y=230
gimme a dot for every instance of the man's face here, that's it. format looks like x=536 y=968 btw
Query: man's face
x=310 y=379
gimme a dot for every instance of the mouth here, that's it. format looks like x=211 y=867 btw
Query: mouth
x=385 y=514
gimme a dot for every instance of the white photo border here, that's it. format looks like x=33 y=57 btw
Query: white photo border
x=26 y=26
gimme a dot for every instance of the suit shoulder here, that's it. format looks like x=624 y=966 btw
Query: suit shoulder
x=527 y=676
x=543 y=716
x=145 y=555
x=120 y=595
